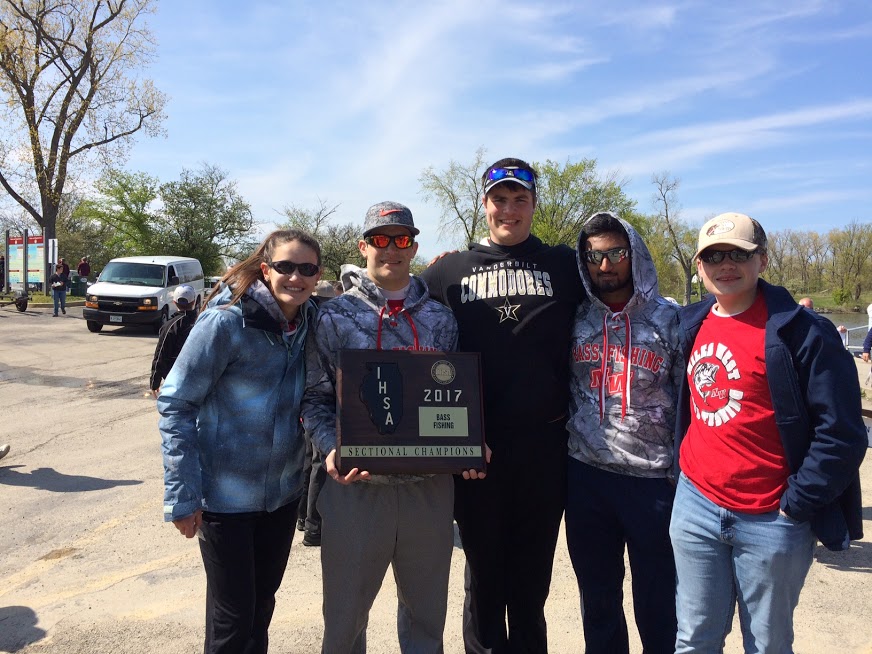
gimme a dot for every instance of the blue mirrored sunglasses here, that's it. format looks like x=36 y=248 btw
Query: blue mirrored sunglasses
x=496 y=174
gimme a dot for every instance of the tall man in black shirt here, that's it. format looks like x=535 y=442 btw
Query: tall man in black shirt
x=514 y=299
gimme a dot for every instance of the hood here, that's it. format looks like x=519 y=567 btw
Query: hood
x=357 y=281
x=124 y=290
x=645 y=286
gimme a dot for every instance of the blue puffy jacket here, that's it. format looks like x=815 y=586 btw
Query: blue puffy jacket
x=816 y=398
x=230 y=409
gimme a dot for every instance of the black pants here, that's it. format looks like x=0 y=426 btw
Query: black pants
x=245 y=555
x=509 y=523
x=314 y=477
x=604 y=512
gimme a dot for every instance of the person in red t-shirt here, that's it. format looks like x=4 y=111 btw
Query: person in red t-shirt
x=769 y=440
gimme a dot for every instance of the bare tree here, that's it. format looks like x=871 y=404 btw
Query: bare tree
x=70 y=89
x=338 y=242
x=458 y=191
x=680 y=236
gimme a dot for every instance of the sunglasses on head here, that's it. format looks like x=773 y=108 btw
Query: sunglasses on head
x=381 y=241
x=496 y=174
x=716 y=256
x=615 y=255
x=288 y=268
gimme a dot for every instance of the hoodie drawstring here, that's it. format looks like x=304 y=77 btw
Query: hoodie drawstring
x=604 y=379
x=393 y=314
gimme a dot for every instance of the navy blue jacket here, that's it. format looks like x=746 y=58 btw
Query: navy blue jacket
x=816 y=397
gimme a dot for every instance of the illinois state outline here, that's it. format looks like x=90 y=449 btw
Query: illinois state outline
x=382 y=393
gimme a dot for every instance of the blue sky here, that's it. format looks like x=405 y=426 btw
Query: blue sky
x=759 y=107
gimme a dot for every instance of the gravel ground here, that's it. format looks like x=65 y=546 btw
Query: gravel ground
x=89 y=566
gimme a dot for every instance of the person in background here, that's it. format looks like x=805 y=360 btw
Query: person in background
x=58 y=284
x=66 y=268
x=372 y=522
x=173 y=335
x=233 y=458
x=314 y=474
x=807 y=302
x=514 y=298
x=769 y=439
x=84 y=268
x=626 y=369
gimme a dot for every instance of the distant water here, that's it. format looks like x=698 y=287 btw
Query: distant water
x=849 y=320
x=857 y=324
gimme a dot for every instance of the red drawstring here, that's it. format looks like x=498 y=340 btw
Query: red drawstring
x=625 y=391
x=393 y=314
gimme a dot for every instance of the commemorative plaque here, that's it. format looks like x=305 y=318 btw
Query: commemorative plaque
x=404 y=411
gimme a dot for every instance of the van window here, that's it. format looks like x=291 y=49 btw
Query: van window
x=135 y=274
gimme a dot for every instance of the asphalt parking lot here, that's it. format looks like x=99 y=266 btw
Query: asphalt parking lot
x=89 y=566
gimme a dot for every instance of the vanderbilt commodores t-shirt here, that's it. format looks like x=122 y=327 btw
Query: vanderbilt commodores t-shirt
x=732 y=451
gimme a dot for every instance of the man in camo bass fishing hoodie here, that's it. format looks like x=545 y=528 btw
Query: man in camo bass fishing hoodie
x=626 y=369
x=372 y=521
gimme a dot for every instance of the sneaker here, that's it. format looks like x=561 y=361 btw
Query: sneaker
x=64 y=311
x=301 y=524
x=54 y=315
x=4 y=450
x=311 y=540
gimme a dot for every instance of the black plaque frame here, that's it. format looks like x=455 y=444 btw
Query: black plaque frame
x=432 y=421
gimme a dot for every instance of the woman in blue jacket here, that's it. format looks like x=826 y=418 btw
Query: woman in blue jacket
x=233 y=458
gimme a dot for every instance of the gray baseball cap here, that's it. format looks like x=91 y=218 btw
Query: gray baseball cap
x=387 y=214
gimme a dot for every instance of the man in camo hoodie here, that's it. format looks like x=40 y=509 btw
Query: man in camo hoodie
x=626 y=369
x=372 y=521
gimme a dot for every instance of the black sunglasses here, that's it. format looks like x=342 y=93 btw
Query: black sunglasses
x=615 y=255
x=288 y=268
x=716 y=256
x=381 y=241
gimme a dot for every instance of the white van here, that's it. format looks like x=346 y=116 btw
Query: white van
x=138 y=291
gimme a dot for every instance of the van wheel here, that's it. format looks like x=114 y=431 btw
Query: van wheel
x=164 y=317
x=94 y=326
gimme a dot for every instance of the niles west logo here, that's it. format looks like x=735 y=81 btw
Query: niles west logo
x=382 y=394
x=711 y=369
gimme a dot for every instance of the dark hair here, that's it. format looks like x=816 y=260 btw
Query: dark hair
x=511 y=162
x=760 y=237
x=603 y=222
x=245 y=273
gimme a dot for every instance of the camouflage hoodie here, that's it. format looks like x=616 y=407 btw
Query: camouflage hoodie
x=360 y=319
x=626 y=424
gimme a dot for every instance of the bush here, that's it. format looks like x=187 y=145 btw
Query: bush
x=842 y=296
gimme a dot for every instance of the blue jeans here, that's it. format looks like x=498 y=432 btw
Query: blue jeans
x=721 y=557
x=606 y=512
x=59 y=297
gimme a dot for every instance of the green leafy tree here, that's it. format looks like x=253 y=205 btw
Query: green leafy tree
x=81 y=235
x=72 y=94
x=204 y=217
x=568 y=194
x=125 y=203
